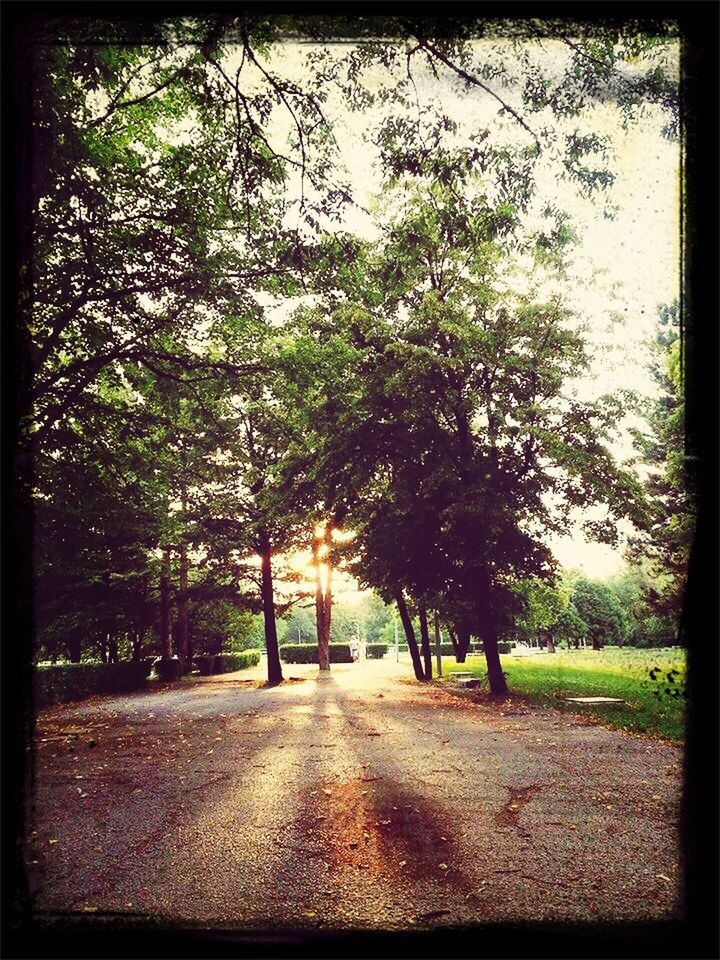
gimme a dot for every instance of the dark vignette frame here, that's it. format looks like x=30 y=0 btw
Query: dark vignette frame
x=694 y=936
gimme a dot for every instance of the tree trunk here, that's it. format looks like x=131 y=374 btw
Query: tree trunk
x=323 y=602
x=410 y=636
x=271 y=641
x=112 y=649
x=165 y=650
x=438 y=644
x=550 y=643
x=425 y=641
x=496 y=677
x=182 y=610
x=463 y=644
x=74 y=647
x=596 y=644
x=453 y=640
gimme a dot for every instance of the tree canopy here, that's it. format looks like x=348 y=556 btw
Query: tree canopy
x=228 y=343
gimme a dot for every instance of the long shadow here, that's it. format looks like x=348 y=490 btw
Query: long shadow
x=414 y=834
x=117 y=814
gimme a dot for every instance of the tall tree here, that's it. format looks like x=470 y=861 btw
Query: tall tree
x=664 y=550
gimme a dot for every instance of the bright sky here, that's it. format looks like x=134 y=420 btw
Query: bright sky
x=622 y=269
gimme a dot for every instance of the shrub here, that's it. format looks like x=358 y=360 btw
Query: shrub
x=505 y=646
x=63 y=682
x=205 y=663
x=168 y=670
x=209 y=664
x=307 y=653
x=376 y=651
x=229 y=662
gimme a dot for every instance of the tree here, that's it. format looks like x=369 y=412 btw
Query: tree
x=598 y=607
x=545 y=605
x=664 y=550
x=299 y=626
x=322 y=545
x=570 y=626
x=448 y=437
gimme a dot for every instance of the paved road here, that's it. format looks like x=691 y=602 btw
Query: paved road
x=358 y=801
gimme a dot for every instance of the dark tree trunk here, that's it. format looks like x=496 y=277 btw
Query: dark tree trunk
x=137 y=639
x=438 y=644
x=550 y=643
x=596 y=643
x=496 y=677
x=425 y=641
x=410 y=636
x=268 y=601
x=165 y=650
x=112 y=649
x=74 y=648
x=182 y=610
x=463 y=644
x=453 y=640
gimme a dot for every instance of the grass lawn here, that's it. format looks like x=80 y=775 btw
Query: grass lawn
x=650 y=706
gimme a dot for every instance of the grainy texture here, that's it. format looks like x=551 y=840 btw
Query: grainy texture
x=359 y=800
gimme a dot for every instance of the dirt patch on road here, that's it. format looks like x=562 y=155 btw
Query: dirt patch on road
x=519 y=796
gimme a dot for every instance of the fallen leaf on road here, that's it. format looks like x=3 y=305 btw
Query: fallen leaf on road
x=53 y=841
x=373 y=733
x=432 y=914
x=443 y=866
x=327 y=792
x=661 y=876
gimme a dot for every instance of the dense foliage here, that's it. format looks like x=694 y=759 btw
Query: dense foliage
x=75 y=681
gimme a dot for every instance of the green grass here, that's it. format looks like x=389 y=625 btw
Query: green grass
x=651 y=706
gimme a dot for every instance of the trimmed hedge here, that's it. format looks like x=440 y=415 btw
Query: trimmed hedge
x=376 y=651
x=209 y=664
x=307 y=653
x=76 y=681
x=168 y=670
x=204 y=663
x=229 y=662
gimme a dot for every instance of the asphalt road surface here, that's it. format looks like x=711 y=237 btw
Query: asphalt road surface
x=358 y=801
